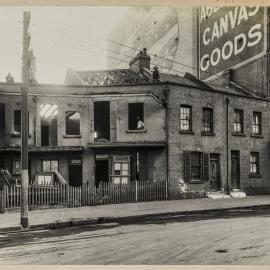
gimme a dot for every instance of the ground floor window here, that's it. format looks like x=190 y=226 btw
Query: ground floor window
x=16 y=166
x=254 y=163
x=50 y=165
x=120 y=170
x=196 y=166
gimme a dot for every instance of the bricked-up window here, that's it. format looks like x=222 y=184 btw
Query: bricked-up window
x=49 y=165
x=207 y=119
x=257 y=123
x=238 y=121
x=254 y=163
x=185 y=118
x=135 y=114
x=73 y=123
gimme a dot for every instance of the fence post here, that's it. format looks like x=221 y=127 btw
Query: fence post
x=136 y=190
x=167 y=195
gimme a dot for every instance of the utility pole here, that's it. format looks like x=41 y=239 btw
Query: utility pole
x=24 y=118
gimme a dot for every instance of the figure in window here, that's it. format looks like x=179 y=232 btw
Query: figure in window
x=140 y=123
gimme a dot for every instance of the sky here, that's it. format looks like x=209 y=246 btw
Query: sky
x=61 y=38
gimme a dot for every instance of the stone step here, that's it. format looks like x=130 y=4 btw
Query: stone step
x=217 y=195
x=238 y=194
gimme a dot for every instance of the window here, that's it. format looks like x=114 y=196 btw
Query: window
x=254 y=163
x=196 y=166
x=16 y=166
x=49 y=165
x=207 y=120
x=17 y=122
x=120 y=170
x=73 y=123
x=238 y=121
x=185 y=118
x=257 y=123
x=135 y=116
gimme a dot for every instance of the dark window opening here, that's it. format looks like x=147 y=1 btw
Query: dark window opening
x=207 y=120
x=17 y=122
x=238 y=121
x=257 y=123
x=186 y=118
x=135 y=116
x=48 y=118
x=2 y=119
x=254 y=163
x=102 y=120
x=73 y=123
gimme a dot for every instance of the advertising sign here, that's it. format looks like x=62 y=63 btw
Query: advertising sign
x=230 y=37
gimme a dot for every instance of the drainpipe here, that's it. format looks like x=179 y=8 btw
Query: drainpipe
x=166 y=103
x=227 y=144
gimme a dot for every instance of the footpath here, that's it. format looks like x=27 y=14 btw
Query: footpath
x=64 y=217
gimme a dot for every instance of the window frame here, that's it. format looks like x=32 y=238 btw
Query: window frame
x=14 y=171
x=255 y=163
x=210 y=122
x=50 y=160
x=240 y=122
x=189 y=120
x=66 y=124
x=141 y=115
x=258 y=125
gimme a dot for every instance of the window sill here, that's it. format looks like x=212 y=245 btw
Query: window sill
x=256 y=135
x=203 y=133
x=239 y=134
x=18 y=135
x=72 y=136
x=187 y=132
x=136 y=131
x=255 y=175
x=195 y=182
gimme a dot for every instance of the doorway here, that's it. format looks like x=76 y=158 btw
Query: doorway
x=235 y=169
x=215 y=183
x=102 y=120
x=75 y=172
x=101 y=170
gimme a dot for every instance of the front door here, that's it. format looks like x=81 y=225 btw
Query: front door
x=101 y=171
x=235 y=169
x=75 y=172
x=215 y=172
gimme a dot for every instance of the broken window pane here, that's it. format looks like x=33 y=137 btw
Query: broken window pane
x=72 y=123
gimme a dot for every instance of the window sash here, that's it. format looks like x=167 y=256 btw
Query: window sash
x=207 y=120
x=254 y=163
x=50 y=165
x=256 y=123
x=238 y=121
x=185 y=118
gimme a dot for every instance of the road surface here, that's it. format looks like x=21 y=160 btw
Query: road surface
x=177 y=240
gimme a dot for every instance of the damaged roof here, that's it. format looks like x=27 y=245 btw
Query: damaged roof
x=129 y=76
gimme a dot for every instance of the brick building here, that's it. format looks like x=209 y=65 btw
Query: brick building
x=88 y=131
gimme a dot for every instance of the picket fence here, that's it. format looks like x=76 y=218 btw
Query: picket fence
x=85 y=195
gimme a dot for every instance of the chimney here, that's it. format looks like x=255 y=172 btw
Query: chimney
x=140 y=61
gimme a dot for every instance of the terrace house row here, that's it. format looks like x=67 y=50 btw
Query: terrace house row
x=132 y=124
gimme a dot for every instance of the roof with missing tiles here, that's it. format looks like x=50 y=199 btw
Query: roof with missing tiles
x=129 y=76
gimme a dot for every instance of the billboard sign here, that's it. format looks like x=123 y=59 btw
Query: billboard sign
x=230 y=37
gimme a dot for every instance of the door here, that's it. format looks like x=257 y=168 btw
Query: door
x=101 y=171
x=235 y=169
x=75 y=172
x=44 y=135
x=215 y=183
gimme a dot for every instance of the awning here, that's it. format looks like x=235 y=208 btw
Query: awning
x=144 y=144
x=44 y=149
